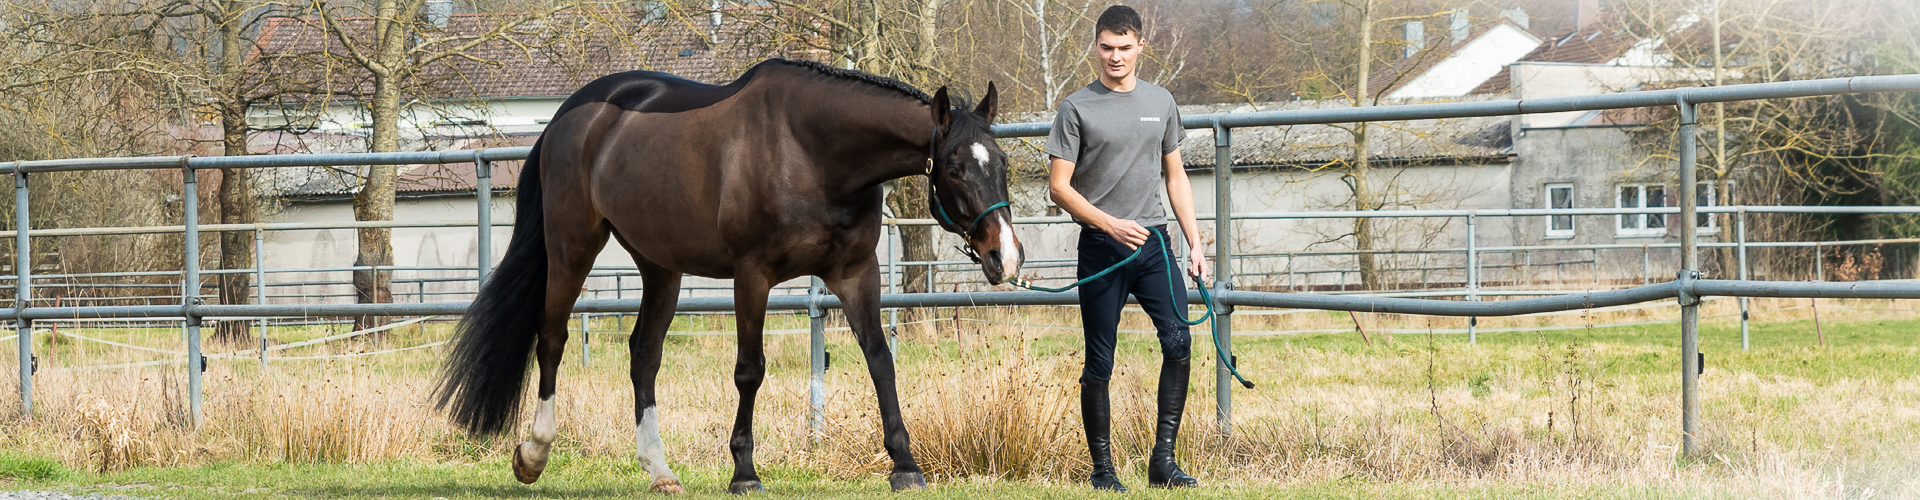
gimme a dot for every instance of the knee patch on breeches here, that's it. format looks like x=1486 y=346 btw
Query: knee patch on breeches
x=1176 y=344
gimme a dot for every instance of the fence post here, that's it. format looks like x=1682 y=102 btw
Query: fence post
x=1646 y=264
x=1819 y=262
x=817 y=355
x=1594 y=265
x=1740 y=238
x=1290 y=285
x=260 y=287
x=23 y=288
x=483 y=175
x=1689 y=271
x=586 y=341
x=893 y=286
x=1223 y=272
x=1473 y=278
x=190 y=267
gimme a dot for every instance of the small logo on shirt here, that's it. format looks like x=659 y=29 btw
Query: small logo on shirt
x=1149 y=118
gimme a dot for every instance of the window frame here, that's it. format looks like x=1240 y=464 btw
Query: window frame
x=1547 y=201
x=1645 y=228
x=1708 y=189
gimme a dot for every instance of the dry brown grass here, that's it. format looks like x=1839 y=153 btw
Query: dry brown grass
x=1574 y=406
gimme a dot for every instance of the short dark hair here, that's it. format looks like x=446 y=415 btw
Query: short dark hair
x=1119 y=20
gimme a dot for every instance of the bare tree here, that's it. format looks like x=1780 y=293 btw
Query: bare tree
x=395 y=43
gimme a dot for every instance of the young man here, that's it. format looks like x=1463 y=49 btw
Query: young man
x=1113 y=144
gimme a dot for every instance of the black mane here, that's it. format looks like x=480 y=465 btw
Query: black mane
x=859 y=76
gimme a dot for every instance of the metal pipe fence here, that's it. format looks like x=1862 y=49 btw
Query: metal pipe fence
x=1687 y=286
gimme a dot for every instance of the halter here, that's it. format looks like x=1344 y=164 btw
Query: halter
x=933 y=190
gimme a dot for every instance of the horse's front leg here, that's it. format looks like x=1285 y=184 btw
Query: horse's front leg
x=750 y=368
x=859 y=292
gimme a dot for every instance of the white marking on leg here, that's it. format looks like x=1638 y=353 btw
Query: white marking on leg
x=653 y=451
x=1009 y=248
x=980 y=154
x=545 y=431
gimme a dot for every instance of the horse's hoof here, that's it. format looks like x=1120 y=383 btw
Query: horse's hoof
x=903 y=481
x=523 y=471
x=668 y=486
x=746 y=486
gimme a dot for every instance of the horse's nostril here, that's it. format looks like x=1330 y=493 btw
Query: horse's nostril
x=993 y=255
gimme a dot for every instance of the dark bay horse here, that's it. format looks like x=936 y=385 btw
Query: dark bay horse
x=774 y=176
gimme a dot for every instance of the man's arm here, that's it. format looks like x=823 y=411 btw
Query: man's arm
x=1060 y=184
x=1180 y=194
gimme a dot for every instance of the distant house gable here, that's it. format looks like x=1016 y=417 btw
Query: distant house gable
x=1462 y=68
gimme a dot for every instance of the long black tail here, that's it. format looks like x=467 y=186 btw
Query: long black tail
x=481 y=384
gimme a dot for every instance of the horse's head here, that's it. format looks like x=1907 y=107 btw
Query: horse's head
x=969 y=195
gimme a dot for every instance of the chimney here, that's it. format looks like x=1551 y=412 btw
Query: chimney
x=1416 y=37
x=1585 y=14
x=1518 y=16
x=439 y=11
x=1460 y=28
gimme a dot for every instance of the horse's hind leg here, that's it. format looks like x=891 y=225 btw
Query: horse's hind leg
x=660 y=294
x=571 y=248
x=750 y=368
x=859 y=292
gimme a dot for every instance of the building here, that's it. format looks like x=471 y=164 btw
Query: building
x=1554 y=160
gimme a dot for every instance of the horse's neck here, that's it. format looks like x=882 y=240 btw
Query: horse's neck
x=869 y=139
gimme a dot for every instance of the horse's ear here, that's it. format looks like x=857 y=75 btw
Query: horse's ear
x=990 y=105
x=942 y=110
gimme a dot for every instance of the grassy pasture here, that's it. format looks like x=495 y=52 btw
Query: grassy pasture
x=1559 y=406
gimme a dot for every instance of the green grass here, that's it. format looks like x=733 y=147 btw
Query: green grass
x=15 y=468
x=577 y=478
x=1880 y=348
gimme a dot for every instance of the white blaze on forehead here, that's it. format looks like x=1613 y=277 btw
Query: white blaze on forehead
x=980 y=153
x=1009 y=248
x=653 y=451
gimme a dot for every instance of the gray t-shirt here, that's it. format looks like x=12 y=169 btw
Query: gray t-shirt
x=1115 y=141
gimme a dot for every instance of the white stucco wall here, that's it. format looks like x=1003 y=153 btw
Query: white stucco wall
x=1426 y=187
x=507 y=113
x=1533 y=80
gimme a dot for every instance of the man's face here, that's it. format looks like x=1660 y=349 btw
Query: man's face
x=1119 y=54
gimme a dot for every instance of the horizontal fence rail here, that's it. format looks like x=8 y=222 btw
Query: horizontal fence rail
x=1687 y=287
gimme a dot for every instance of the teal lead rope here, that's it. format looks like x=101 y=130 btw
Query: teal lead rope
x=1205 y=298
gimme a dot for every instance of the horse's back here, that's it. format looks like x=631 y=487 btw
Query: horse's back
x=650 y=92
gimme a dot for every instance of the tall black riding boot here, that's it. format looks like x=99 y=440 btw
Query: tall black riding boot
x=1162 y=471
x=1095 y=412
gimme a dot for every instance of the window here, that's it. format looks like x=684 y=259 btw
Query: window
x=1640 y=196
x=1560 y=196
x=1706 y=197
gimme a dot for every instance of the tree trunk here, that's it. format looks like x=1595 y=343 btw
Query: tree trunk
x=236 y=207
x=1362 y=192
x=909 y=201
x=374 y=202
x=236 y=184
x=1723 y=166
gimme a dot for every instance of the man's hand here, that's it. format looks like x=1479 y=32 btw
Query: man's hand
x=1128 y=232
x=1197 y=268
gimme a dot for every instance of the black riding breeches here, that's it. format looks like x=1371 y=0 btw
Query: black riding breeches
x=1161 y=293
